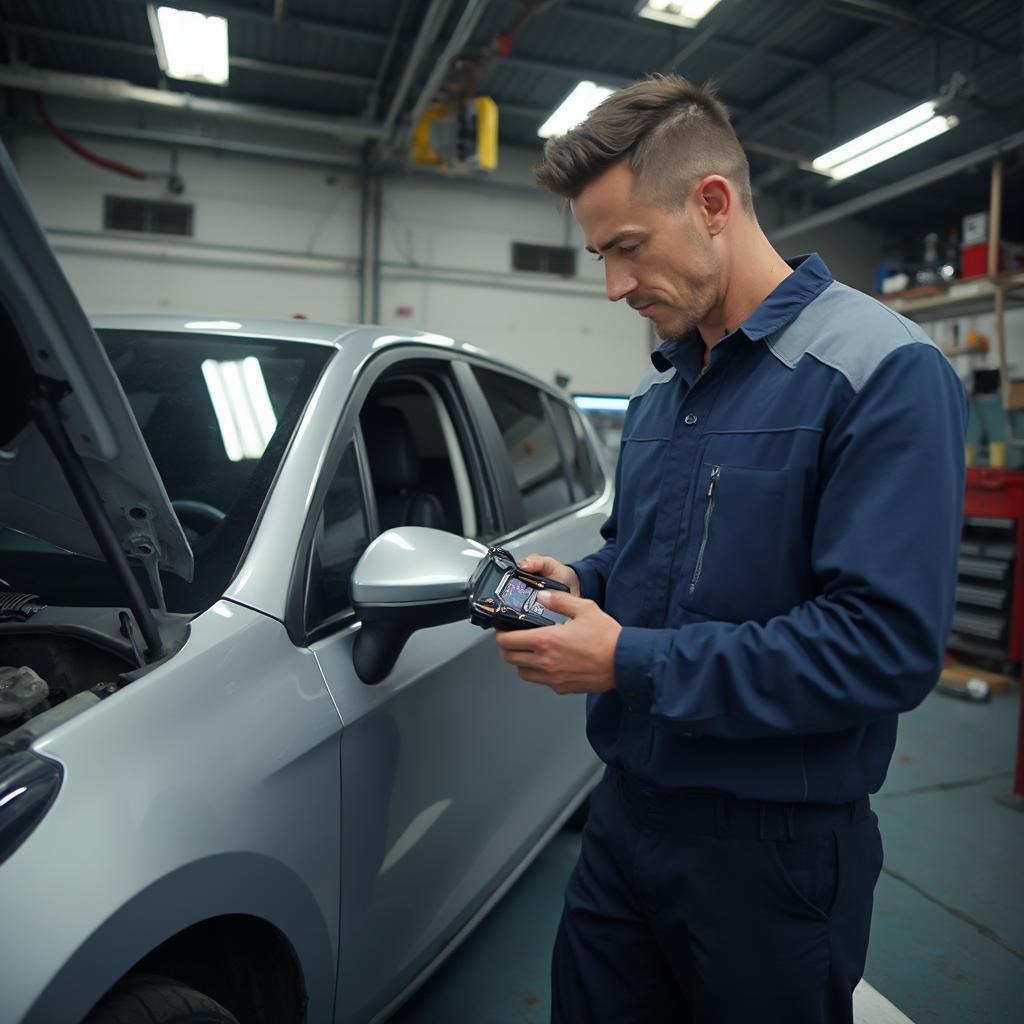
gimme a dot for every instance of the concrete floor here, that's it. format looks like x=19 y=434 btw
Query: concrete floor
x=947 y=940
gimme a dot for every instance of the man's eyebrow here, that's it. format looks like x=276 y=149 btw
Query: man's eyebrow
x=614 y=240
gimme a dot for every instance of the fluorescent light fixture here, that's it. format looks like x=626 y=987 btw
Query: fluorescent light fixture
x=922 y=133
x=190 y=45
x=686 y=13
x=240 y=401
x=884 y=142
x=574 y=109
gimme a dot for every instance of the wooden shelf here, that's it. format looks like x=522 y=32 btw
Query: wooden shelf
x=959 y=298
x=962 y=350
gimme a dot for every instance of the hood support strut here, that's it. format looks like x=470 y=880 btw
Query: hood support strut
x=44 y=412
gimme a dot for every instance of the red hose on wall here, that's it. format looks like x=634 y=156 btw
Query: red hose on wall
x=78 y=148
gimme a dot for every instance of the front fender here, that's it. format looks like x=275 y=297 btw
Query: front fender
x=248 y=884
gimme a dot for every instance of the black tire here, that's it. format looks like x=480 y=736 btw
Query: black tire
x=152 y=999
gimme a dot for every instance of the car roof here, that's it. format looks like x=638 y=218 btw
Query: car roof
x=367 y=337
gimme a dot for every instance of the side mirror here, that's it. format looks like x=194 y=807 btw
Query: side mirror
x=408 y=578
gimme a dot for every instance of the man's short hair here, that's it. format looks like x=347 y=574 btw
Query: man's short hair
x=671 y=134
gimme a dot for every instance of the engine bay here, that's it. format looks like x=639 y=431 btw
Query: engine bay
x=49 y=655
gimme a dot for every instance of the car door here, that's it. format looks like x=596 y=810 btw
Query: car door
x=452 y=767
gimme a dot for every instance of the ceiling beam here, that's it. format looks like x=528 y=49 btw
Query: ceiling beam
x=889 y=14
x=794 y=97
x=782 y=27
x=428 y=31
x=342 y=159
x=541 y=114
x=471 y=15
x=617 y=79
x=579 y=72
x=141 y=50
x=311 y=26
x=385 y=61
x=621 y=23
x=113 y=90
x=899 y=188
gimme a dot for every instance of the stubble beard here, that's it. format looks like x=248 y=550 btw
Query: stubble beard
x=701 y=301
x=702 y=291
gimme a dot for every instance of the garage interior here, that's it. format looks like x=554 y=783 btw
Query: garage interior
x=346 y=173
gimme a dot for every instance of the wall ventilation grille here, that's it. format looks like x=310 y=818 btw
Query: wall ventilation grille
x=147 y=215
x=544 y=259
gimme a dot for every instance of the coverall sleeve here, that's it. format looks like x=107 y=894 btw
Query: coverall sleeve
x=884 y=551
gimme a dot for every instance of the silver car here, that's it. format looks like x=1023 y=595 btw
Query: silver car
x=255 y=762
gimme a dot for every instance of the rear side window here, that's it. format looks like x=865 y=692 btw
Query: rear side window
x=531 y=442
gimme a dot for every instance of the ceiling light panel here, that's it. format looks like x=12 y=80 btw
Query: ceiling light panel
x=574 y=109
x=887 y=150
x=684 y=13
x=869 y=140
x=190 y=45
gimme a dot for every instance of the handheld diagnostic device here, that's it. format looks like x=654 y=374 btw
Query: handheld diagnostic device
x=503 y=596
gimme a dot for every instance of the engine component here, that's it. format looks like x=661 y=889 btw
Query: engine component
x=18 y=607
x=21 y=690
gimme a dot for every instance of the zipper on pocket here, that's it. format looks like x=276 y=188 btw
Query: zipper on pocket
x=716 y=472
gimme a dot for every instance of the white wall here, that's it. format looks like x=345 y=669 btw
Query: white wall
x=270 y=239
x=276 y=239
x=447 y=256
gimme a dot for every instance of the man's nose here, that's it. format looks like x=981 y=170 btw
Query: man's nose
x=618 y=282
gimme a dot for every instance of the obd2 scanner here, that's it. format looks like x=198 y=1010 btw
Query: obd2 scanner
x=503 y=596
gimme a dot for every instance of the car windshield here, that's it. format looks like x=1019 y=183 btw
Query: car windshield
x=217 y=414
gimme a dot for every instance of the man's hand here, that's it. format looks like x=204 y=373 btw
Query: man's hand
x=574 y=657
x=545 y=565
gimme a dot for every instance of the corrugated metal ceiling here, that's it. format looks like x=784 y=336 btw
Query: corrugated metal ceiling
x=799 y=77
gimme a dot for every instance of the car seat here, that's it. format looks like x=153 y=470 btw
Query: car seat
x=396 y=471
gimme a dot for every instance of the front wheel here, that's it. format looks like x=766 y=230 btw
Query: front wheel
x=153 y=999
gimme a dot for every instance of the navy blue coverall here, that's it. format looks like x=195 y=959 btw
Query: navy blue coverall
x=781 y=556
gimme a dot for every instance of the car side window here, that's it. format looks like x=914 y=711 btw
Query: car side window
x=584 y=472
x=530 y=441
x=342 y=534
x=417 y=464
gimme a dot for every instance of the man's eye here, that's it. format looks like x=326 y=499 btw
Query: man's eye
x=628 y=250
x=598 y=258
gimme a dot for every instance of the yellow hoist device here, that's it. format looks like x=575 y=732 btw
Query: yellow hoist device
x=458 y=137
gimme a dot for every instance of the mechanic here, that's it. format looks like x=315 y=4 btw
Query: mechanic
x=775 y=587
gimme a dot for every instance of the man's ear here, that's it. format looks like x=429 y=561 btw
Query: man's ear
x=714 y=198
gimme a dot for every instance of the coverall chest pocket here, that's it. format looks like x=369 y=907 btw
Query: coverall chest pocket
x=745 y=559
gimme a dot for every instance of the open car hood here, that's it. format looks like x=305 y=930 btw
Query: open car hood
x=46 y=340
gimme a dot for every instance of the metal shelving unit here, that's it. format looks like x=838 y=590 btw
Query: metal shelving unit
x=994 y=291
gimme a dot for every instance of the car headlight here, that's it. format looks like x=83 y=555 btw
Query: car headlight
x=28 y=785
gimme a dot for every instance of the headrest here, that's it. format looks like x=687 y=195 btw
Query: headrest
x=394 y=464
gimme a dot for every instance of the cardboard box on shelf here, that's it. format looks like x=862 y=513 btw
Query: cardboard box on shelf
x=957 y=675
x=1015 y=400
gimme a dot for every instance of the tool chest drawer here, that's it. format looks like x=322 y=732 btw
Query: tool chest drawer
x=988 y=621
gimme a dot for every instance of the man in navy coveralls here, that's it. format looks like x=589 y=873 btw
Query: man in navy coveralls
x=775 y=587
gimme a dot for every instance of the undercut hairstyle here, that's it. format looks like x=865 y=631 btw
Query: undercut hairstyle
x=669 y=132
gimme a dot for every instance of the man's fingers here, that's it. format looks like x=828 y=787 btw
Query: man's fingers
x=561 y=602
x=514 y=639
x=519 y=657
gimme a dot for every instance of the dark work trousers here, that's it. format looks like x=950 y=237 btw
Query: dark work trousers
x=697 y=908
